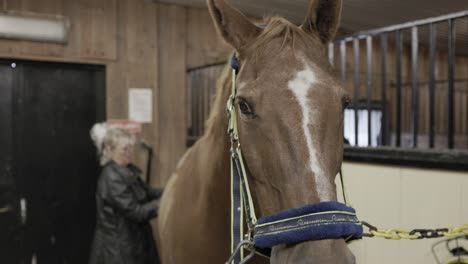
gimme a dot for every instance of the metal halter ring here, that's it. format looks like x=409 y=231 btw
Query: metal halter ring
x=242 y=244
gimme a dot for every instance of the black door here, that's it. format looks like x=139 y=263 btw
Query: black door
x=48 y=166
x=10 y=227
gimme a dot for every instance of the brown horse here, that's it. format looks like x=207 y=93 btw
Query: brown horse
x=290 y=126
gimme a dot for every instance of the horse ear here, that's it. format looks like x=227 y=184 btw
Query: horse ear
x=324 y=18
x=234 y=27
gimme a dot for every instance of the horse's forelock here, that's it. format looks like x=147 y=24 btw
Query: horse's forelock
x=280 y=28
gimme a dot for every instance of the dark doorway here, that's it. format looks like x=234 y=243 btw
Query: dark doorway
x=48 y=166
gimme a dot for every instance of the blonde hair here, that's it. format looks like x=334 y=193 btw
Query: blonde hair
x=107 y=138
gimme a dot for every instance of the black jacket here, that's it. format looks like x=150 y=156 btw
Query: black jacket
x=125 y=204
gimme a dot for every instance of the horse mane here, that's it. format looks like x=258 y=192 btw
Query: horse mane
x=217 y=114
x=276 y=27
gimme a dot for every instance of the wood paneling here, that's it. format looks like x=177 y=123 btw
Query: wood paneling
x=204 y=46
x=172 y=88
x=98 y=28
x=136 y=67
x=138 y=62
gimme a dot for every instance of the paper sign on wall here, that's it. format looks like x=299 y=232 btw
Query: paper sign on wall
x=140 y=105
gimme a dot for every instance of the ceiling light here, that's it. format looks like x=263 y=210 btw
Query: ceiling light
x=35 y=27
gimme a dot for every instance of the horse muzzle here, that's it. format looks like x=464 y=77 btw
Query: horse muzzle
x=332 y=251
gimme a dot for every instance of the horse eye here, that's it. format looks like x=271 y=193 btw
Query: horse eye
x=245 y=107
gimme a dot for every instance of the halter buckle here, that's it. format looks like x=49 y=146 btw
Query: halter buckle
x=230 y=105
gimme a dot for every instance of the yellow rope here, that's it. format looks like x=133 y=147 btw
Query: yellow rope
x=457 y=260
x=397 y=234
x=393 y=233
x=461 y=230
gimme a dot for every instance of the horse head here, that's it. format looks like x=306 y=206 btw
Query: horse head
x=290 y=116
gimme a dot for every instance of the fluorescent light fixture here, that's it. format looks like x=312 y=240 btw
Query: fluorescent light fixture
x=35 y=27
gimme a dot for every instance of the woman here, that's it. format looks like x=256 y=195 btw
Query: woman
x=125 y=204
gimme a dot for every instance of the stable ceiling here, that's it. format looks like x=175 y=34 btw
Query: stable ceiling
x=358 y=15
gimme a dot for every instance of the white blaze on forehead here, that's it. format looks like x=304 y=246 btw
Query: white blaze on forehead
x=301 y=85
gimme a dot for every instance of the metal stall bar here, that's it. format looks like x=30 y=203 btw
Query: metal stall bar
x=209 y=72
x=383 y=68
x=189 y=104
x=210 y=92
x=399 y=27
x=432 y=81
x=195 y=103
x=369 y=90
x=343 y=60
x=199 y=103
x=331 y=53
x=415 y=88
x=356 y=90
x=204 y=100
x=451 y=83
x=399 y=48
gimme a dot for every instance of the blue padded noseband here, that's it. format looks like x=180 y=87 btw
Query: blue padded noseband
x=325 y=220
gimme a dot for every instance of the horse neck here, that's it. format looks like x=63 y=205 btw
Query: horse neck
x=213 y=175
x=215 y=141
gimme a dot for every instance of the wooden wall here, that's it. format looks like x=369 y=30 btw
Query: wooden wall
x=142 y=45
x=172 y=26
x=204 y=46
x=187 y=39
